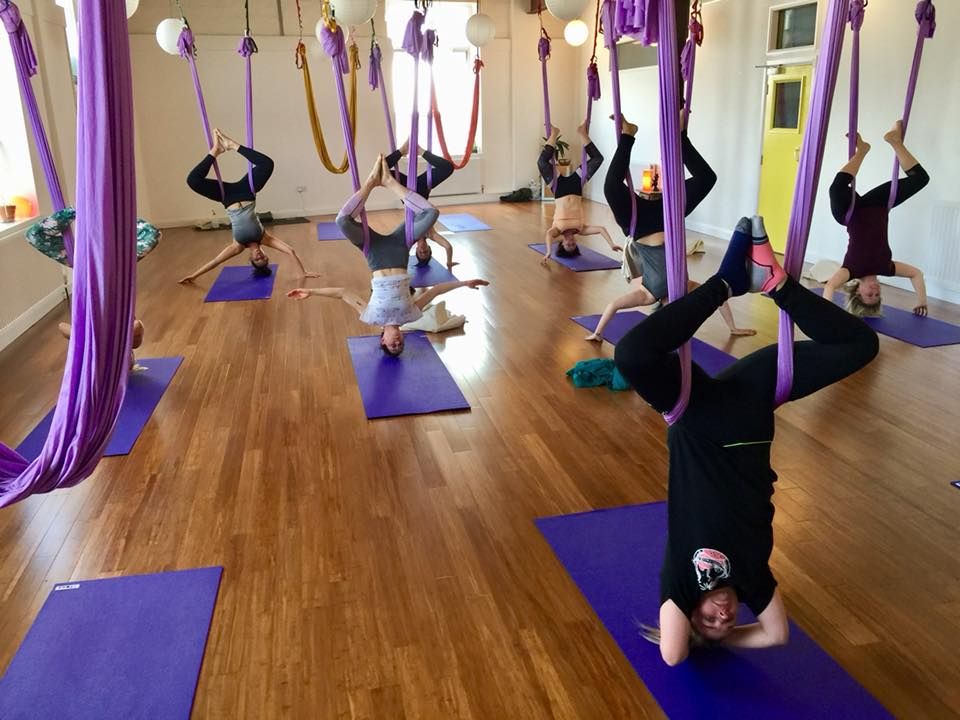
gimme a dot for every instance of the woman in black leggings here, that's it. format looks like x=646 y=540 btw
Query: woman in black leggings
x=720 y=533
x=440 y=170
x=868 y=248
x=645 y=259
x=240 y=200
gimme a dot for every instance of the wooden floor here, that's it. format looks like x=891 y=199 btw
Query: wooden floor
x=391 y=569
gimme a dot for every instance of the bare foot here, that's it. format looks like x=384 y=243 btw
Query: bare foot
x=137 y=334
x=582 y=127
x=385 y=175
x=64 y=329
x=742 y=332
x=627 y=128
x=863 y=147
x=217 y=148
x=376 y=172
x=404 y=148
x=593 y=337
x=895 y=135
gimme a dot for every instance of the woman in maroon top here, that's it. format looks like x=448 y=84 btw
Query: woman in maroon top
x=868 y=249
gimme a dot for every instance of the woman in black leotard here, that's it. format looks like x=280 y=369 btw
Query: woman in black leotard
x=240 y=201
x=719 y=516
x=868 y=249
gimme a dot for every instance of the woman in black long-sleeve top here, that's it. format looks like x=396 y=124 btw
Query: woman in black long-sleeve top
x=240 y=200
x=568 y=193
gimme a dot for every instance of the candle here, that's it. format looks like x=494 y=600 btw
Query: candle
x=647 y=185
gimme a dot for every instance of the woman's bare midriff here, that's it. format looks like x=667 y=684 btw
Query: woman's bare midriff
x=653 y=240
x=389 y=271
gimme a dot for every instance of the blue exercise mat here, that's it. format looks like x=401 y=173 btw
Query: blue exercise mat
x=614 y=557
x=327 y=230
x=237 y=282
x=125 y=647
x=433 y=274
x=586 y=261
x=462 y=222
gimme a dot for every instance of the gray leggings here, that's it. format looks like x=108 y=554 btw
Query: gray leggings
x=388 y=251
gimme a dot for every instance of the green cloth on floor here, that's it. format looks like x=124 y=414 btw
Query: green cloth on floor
x=596 y=372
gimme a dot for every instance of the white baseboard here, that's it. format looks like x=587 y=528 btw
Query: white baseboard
x=32 y=315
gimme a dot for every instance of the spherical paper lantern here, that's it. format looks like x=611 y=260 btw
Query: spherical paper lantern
x=350 y=13
x=168 y=32
x=566 y=9
x=575 y=33
x=132 y=6
x=480 y=30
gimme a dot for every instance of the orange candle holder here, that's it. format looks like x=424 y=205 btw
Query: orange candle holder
x=647 y=181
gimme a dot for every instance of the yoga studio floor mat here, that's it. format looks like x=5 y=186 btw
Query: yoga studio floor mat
x=614 y=557
x=125 y=647
x=904 y=325
x=587 y=259
x=144 y=390
x=711 y=359
x=414 y=383
x=329 y=231
x=237 y=282
x=462 y=222
x=432 y=274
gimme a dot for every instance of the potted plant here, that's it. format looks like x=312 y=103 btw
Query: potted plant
x=562 y=147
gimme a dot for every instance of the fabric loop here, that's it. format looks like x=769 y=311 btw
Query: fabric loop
x=12 y=21
x=247 y=47
x=926 y=15
x=413 y=36
x=373 y=71
x=856 y=14
x=333 y=45
x=430 y=42
x=593 y=82
x=543 y=47
x=185 y=43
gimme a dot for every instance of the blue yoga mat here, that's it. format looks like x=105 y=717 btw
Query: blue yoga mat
x=711 y=359
x=614 y=557
x=329 y=231
x=414 y=383
x=432 y=274
x=144 y=390
x=237 y=282
x=126 y=647
x=904 y=325
x=462 y=222
x=584 y=262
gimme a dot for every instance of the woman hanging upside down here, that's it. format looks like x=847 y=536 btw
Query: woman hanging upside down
x=645 y=259
x=391 y=303
x=868 y=247
x=568 y=208
x=241 y=204
x=441 y=169
x=720 y=533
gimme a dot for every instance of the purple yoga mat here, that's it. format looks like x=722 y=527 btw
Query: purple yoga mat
x=144 y=390
x=125 y=647
x=329 y=231
x=587 y=259
x=711 y=359
x=432 y=274
x=462 y=222
x=237 y=282
x=904 y=325
x=614 y=557
x=416 y=382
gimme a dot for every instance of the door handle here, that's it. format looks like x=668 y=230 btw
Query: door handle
x=796 y=154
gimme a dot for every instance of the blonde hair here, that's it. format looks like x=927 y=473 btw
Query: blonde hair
x=855 y=304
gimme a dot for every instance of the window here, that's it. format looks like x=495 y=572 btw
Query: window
x=786 y=104
x=16 y=172
x=73 y=42
x=795 y=26
x=635 y=55
x=452 y=70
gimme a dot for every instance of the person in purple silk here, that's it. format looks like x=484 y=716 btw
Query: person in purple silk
x=391 y=302
x=868 y=248
x=568 y=197
x=240 y=200
x=720 y=482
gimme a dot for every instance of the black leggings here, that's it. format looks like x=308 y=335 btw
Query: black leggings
x=650 y=212
x=739 y=402
x=233 y=192
x=841 y=192
x=441 y=170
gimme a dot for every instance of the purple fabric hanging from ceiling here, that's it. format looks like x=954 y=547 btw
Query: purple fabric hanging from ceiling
x=688 y=63
x=246 y=49
x=636 y=19
x=543 y=52
x=674 y=189
x=430 y=42
x=375 y=78
x=104 y=278
x=926 y=16
x=610 y=37
x=413 y=43
x=331 y=39
x=188 y=51
x=25 y=63
x=855 y=16
x=808 y=176
x=593 y=93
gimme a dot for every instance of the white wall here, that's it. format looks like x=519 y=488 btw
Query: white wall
x=170 y=141
x=727 y=125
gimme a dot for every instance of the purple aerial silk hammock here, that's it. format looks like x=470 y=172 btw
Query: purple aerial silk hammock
x=25 y=62
x=808 y=176
x=188 y=51
x=95 y=376
x=375 y=78
x=430 y=42
x=926 y=16
x=636 y=19
x=334 y=46
x=246 y=49
x=543 y=52
x=688 y=61
x=414 y=43
x=593 y=93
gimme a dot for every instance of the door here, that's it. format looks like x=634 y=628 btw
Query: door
x=784 y=119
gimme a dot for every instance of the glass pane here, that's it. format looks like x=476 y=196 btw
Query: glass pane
x=796 y=26
x=786 y=104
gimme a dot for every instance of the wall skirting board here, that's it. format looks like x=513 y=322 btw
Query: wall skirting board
x=31 y=316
